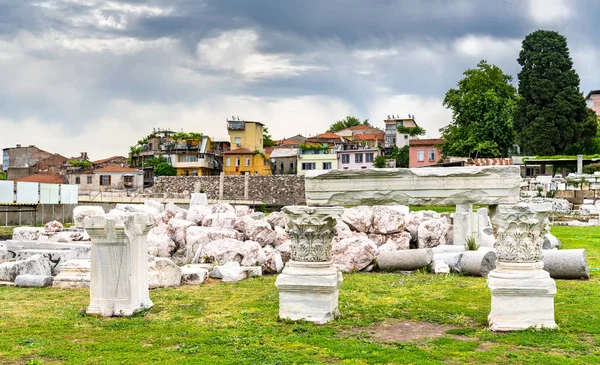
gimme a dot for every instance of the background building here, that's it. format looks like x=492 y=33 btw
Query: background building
x=395 y=138
x=424 y=152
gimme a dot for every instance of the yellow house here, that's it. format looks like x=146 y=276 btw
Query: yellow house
x=193 y=158
x=245 y=134
x=242 y=161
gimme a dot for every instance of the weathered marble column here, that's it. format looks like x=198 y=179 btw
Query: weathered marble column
x=463 y=223
x=309 y=285
x=522 y=292
x=119 y=264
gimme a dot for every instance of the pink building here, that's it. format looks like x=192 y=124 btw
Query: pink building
x=593 y=100
x=423 y=152
x=353 y=157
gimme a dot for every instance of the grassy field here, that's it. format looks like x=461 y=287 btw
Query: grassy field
x=221 y=323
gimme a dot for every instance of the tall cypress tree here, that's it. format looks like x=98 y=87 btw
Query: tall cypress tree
x=551 y=112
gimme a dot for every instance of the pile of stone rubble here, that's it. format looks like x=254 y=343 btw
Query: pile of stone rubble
x=232 y=243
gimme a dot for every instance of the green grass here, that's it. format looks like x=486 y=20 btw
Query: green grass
x=219 y=323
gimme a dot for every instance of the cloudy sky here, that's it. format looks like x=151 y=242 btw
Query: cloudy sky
x=96 y=76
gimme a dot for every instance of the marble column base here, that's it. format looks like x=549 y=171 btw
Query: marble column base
x=112 y=307
x=522 y=297
x=309 y=291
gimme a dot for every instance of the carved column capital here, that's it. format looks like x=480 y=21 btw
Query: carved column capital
x=311 y=231
x=519 y=231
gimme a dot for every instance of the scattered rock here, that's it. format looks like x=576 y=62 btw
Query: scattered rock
x=163 y=273
x=197 y=213
x=27 y=233
x=285 y=250
x=197 y=237
x=282 y=236
x=273 y=264
x=159 y=242
x=35 y=265
x=359 y=219
x=248 y=253
x=177 y=229
x=53 y=227
x=432 y=233
x=277 y=219
x=387 y=220
x=193 y=275
x=396 y=242
x=33 y=281
x=82 y=211
x=440 y=267
x=353 y=254
x=259 y=231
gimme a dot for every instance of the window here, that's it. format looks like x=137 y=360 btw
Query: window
x=90 y=179
x=128 y=179
x=399 y=123
x=308 y=166
x=291 y=166
x=238 y=141
x=369 y=157
x=228 y=161
x=104 y=180
x=431 y=154
x=194 y=173
x=281 y=166
x=589 y=102
x=187 y=172
x=188 y=158
x=237 y=161
x=420 y=155
x=77 y=180
x=326 y=165
x=345 y=158
x=358 y=158
x=247 y=161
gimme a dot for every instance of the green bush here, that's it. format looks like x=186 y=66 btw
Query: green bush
x=590 y=169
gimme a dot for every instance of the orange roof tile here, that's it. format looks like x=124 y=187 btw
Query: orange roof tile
x=239 y=151
x=368 y=136
x=44 y=179
x=327 y=135
x=116 y=168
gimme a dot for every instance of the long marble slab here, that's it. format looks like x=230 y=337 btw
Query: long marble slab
x=417 y=186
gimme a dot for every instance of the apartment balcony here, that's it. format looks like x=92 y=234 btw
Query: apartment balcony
x=236 y=125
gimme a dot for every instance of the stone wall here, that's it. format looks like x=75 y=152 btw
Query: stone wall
x=277 y=189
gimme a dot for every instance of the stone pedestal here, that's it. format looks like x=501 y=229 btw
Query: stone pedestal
x=309 y=291
x=522 y=297
x=309 y=285
x=119 y=265
x=522 y=292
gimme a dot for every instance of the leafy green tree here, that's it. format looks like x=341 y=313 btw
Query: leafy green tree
x=401 y=155
x=551 y=113
x=155 y=161
x=379 y=162
x=2 y=175
x=347 y=123
x=267 y=139
x=482 y=113
x=588 y=146
x=164 y=169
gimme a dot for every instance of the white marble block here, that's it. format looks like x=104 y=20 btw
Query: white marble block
x=309 y=284
x=522 y=297
x=488 y=185
x=309 y=291
x=522 y=292
x=119 y=264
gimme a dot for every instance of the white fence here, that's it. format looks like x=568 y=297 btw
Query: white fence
x=31 y=193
